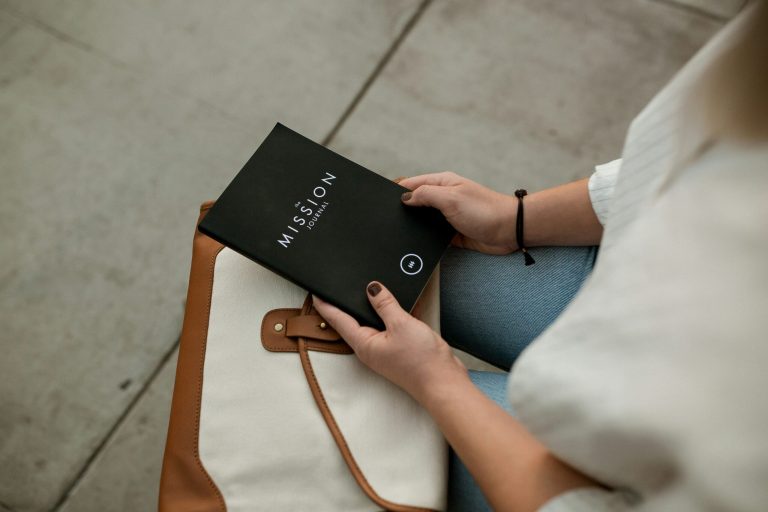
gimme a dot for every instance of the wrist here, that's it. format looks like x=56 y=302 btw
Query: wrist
x=507 y=222
x=531 y=231
x=508 y=229
x=442 y=388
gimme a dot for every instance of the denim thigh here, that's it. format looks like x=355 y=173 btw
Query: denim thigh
x=492 y=307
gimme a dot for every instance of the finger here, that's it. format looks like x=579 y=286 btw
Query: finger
x=385 y=304
x=347 y=327
x=434 y=178
x=438 y=196
x=458 y=240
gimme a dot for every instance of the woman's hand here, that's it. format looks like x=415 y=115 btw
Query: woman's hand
x=484 y=218
x=408 y=353
x=514 y=470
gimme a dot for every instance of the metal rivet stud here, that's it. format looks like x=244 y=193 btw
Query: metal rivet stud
x=278 y=327
x=323 y=325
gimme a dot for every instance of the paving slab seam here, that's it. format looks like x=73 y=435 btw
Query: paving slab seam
x=64 y=38
x=415 y=17
x=113 y=430
x=386 y=57
x=77 y=43
x=691 y=9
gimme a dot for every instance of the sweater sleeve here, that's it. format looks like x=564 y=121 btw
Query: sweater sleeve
x=601 y=186
x=589 y=499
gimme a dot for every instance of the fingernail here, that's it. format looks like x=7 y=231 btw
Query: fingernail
x=374 y=289
x=406 y=196
x=315 y=298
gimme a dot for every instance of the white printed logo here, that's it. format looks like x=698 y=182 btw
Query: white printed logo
x=411 y=264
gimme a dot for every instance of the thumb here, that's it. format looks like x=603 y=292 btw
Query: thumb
x=437 y=196
x=385 y=304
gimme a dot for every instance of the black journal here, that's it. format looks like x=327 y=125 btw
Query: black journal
x=328 y=224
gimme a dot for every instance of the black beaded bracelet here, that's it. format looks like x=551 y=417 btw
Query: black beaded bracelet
x=520 y=194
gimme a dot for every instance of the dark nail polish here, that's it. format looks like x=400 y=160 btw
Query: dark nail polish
x=406 y=196
x=374 y=289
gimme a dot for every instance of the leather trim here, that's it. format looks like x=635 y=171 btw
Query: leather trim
x=308 y=326
x=338 y=436
x=294 y=325
x=185 y=485
x=277 y=341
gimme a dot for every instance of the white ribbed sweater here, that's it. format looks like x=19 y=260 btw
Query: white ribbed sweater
x=654 y=378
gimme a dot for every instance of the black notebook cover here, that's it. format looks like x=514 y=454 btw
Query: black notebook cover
x=328 y=224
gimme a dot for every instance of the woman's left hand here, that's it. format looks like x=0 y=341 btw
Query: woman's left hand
x=408 y=353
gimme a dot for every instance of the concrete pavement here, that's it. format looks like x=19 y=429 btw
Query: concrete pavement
x=119 y=118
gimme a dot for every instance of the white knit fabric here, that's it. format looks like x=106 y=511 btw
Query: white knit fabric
x=652 y=381
x=601 y=185
x=588 y=499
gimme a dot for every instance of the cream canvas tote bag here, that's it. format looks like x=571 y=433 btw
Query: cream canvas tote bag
x=272 y=411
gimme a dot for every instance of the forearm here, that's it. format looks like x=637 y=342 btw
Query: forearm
x=514 y=470
x=561 y=215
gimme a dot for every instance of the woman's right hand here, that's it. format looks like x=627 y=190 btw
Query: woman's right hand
x=485 y=219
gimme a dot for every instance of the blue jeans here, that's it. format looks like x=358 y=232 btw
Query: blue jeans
x=492 y=307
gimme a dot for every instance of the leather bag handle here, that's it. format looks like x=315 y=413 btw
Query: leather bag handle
x=282 y=328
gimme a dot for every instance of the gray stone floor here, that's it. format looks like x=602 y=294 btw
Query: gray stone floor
x=118 y=118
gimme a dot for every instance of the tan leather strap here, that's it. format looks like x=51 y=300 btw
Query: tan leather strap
x=310 y=326
x=338 y=436
x=281 y=329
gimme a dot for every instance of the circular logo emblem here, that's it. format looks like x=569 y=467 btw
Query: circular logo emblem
x=411 y=264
